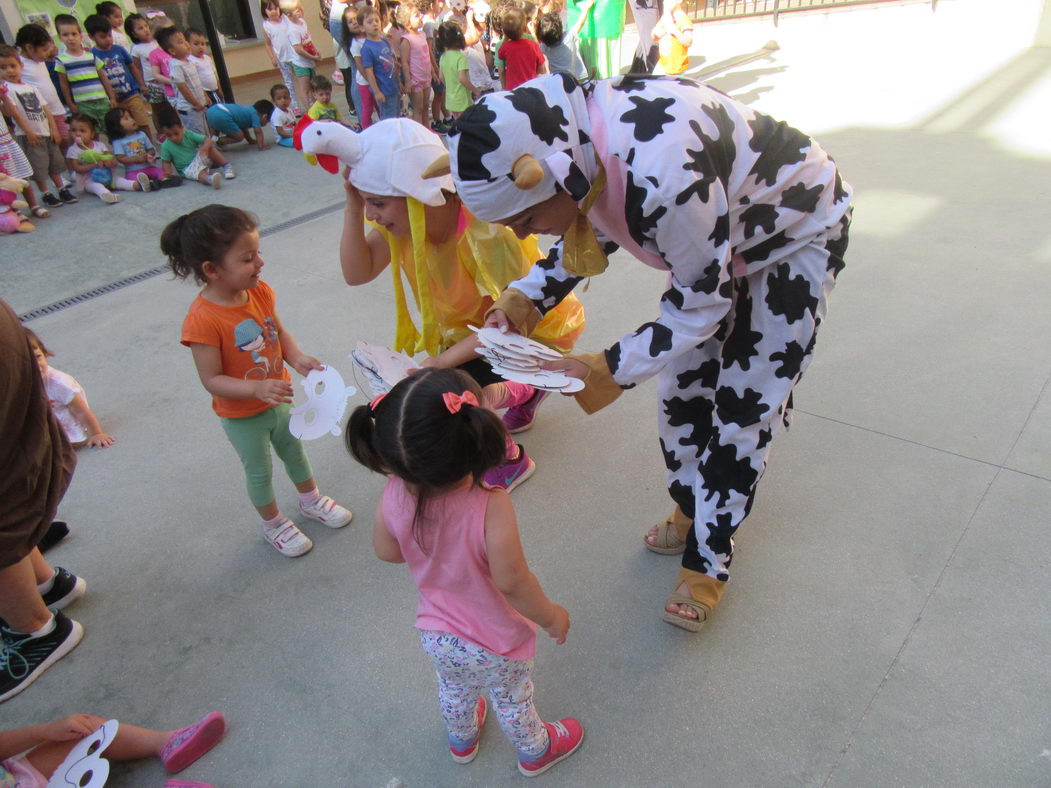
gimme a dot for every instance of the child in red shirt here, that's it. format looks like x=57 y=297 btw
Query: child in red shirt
x=522 y=57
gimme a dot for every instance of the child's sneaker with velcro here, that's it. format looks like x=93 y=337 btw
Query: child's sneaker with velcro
x=287 y=539
x=327 y=511
x=470 y=752
x=566 y=736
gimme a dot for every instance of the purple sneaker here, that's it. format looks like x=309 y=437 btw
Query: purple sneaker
x=509 y=475
x=521 y=417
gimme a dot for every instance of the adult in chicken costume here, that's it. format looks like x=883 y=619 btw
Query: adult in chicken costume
x=748 y=217
x=455 y=263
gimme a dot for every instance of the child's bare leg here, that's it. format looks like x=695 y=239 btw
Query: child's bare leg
x=130 y=744
x=418 y=110
x=21 y=605
x=303 y=89
x=56 y=178
x=210 y=150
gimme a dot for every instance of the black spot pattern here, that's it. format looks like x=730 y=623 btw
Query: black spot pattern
x=789 y=295
x=477 y=138
x=674 y=297
x=640 y=223
x=696 y=413
x=632 y=83
x=837 y=248
x=720 y=534
x=547 y=122
x=800 y=198
x=764 y=438
x=759 y=216
x=610 y=247
x=740 y=345
x=660 y=340
x=724 y=474
x=577 y=183
x=553 y=291
x=649 y=116
x=707 y=374
x=764 y=249
x=721 y=230
x=778 y=145
x=709 y=279
x=613 y=358
x=670 y=462
x=715 y=158
x=682 y=494
x=551 y=261
x=839 y=193
x=744 y=411
x=790 y=360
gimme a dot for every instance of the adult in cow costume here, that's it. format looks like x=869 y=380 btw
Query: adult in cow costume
x=749 y=218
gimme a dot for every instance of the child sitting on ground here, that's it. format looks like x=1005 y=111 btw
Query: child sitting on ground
x=68 y=402
x=190 y=154
x=236 y=123
x=240 y=349
x=134 y=149
x=29 y=756
x=479 y=604
x=95 y=164
x=323 y=108
x=279 y=114
x=189 y=94
x=521 y=56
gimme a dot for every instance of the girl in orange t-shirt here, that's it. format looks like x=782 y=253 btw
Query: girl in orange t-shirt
x=240 y=348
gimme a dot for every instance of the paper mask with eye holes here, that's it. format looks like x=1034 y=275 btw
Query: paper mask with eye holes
x=85 y=767
x=326 y=401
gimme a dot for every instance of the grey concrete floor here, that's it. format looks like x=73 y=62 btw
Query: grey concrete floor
x=888 y=622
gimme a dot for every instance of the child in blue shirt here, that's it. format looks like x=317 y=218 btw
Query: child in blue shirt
x=380 y=69
x=122 y=71
x=236 y=122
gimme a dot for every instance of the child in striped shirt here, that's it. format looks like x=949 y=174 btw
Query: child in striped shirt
x=82 y=73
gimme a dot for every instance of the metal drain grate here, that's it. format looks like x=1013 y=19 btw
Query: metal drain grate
x=66 y=303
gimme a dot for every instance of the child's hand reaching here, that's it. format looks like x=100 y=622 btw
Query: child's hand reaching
x=101 y=440
x=559 y=627
x=302 y=363
x=273 y=392
x=75 y=726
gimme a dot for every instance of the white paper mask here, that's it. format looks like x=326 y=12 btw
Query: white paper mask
x=326 y=401
x=85 y=767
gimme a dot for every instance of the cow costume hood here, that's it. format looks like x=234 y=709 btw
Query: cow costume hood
x=546 y=118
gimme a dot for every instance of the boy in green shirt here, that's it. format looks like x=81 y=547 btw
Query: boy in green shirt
x=190 y=154
x=82 y=74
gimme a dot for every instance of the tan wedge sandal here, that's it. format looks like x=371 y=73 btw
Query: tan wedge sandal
x=705 y=593
x=671 y=534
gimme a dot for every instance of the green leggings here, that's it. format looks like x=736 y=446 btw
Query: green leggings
x=252 y=437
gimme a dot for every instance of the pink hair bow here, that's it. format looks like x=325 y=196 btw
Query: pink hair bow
x=456 y=401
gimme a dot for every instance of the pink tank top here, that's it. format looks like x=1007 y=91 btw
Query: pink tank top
x=457 y=593
x=419 y=58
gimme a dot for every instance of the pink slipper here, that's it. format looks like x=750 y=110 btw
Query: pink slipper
x=188 y=744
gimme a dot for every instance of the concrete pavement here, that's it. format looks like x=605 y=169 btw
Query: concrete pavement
x=888 y=622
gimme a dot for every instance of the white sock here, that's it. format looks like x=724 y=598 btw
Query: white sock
x=44 y=630
x=279 y=520
x=48 y=584
x=307 y=498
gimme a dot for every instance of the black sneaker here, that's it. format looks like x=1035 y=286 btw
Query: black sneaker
x=51 y=201
x=67 y=196
x=24 y=658
x=171 y=181
x=55 y=533
x=65 y=590
x=155 y=184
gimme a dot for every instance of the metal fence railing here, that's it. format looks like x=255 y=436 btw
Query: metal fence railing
x=713 y=10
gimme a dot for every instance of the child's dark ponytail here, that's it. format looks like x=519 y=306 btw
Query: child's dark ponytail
x=202 y=235
x=359 y=439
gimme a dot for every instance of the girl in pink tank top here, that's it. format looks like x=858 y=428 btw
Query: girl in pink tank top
x=417 y=62
x=479 y=604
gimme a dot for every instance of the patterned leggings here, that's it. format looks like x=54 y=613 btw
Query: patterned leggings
x=465 y=671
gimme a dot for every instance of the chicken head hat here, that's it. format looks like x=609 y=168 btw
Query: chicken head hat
x=514 y=149
x=387 y=158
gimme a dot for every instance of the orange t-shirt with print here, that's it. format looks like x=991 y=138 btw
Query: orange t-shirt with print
x=248 y=342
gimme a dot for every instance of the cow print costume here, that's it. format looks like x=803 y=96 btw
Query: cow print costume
x=747 y=215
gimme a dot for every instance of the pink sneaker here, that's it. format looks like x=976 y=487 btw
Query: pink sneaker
x=509 y=475
x=566 y=736
x=521 y=417
x=468 y=754
x=188 y=744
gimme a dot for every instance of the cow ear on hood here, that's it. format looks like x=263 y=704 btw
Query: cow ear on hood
x=438 y=167
x=526 y=172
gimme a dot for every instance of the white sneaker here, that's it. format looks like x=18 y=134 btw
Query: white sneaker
x=287 y=539
x=216 y=180
x=228 y=172
x=110 y=198
x=327 y=511
x=144 y=182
